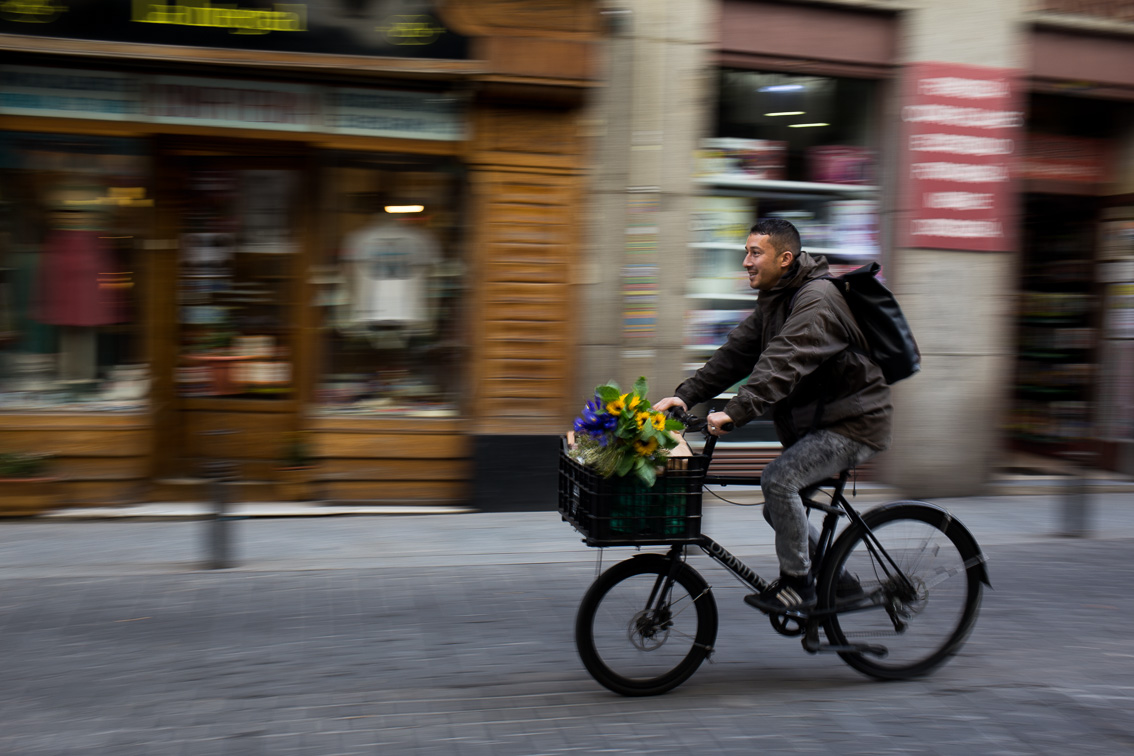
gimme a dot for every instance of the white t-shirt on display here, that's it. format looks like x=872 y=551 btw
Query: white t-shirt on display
x=390 y=266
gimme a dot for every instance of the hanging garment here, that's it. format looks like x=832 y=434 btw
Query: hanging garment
x=69 y=288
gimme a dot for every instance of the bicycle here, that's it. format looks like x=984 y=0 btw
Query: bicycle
x=647 y=623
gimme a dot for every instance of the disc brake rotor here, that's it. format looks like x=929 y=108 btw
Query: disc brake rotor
x=646 y=631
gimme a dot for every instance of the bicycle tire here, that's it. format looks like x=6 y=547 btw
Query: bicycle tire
x=944 y=564
x=634 y=652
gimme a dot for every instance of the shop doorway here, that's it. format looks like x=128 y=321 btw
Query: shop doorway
x=228 y=314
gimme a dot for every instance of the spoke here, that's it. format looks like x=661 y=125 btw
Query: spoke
x=674 y=631
x=941 y=574
x=692 y=600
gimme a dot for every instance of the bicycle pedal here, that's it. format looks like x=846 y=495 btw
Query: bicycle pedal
x=811 y=640
x=856 y=648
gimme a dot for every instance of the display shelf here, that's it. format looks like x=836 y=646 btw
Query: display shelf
x=717 y=245
x=1052 y=321
x=787 y=187
x=864 y=254
x=724 y=297
x=1052 y=355
x=854 y=254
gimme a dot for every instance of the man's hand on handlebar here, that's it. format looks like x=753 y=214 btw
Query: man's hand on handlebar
x=719 y=424
x=664 y=405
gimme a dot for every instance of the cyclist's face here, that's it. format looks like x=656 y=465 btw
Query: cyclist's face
x=763 y=265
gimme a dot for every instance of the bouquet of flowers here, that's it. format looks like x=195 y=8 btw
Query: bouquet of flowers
x=618 y=433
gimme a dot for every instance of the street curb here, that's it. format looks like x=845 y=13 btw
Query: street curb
x=207 y=510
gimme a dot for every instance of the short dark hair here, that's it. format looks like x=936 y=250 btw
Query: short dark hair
x=783 y=235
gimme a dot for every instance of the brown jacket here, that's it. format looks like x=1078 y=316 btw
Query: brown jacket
x=800 y=364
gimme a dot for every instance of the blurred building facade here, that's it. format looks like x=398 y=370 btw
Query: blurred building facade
x=384 y=249
x=982 y=152
x=333 y=242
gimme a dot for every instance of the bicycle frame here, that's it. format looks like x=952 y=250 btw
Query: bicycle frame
x=839 y=507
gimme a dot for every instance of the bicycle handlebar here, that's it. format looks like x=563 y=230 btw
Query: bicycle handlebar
x=695 y=423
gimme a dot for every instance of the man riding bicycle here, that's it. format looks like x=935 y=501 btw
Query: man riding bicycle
x=805 y=358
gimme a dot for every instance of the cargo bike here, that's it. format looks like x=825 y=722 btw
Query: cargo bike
x=899 y=588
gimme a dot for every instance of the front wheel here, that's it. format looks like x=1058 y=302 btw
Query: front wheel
x=917 y=596
x=641 y=631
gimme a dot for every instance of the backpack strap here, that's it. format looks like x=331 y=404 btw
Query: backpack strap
x=791 y=302
x=838 y=285
x=821 y=404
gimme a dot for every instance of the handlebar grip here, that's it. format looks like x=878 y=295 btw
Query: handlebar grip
x=695 y=423
x=691 y=422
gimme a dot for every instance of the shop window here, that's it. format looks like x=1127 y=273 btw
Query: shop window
x=820 y=129
x=74 y=212
x=390 y=287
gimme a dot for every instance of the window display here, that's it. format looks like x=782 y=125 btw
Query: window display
x=75 y=211
x=238 y=249
x=389 y=289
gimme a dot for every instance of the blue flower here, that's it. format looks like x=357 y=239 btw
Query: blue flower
x=596 y=421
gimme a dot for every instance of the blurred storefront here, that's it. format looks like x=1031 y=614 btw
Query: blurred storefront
x=1073 y=389
x=330 y=236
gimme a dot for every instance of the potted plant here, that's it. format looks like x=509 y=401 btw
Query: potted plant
x=26 y=488
x=295 y=469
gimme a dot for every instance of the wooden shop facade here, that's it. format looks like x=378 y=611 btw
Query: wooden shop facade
x=331 y=243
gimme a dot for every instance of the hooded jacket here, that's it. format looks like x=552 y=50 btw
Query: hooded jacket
x=800 y=364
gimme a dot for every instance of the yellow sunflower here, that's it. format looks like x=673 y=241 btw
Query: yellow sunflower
x=646 y=448
x=658 y=420
x=617 y=406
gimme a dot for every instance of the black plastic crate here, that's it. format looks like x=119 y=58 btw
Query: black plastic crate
x=623 y=512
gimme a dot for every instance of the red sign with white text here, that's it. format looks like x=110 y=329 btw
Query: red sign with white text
x=961 y=129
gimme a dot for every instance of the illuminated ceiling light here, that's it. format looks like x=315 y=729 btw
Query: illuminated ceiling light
x=404 y=208
x=806 y=125
x=781 y=88
x=786 y=112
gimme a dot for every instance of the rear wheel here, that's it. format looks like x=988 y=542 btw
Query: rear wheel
x=640 y=632
x=920 y=607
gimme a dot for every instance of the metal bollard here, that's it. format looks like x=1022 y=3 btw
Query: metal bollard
x=218 y=535
x=1075 y=505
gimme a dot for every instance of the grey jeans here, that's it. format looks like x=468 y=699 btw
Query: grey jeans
x=817 y=456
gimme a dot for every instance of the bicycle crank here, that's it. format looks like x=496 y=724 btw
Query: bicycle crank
x=812 y=645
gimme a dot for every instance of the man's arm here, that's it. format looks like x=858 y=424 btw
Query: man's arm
x=729 y=364
x=813 y=333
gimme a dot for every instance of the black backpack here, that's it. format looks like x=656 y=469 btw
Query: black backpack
x=891 y=342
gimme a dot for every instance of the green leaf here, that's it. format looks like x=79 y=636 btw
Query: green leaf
x=607 y=393
x=646 y=472
x=673 y=425
x=641 y=387
x=625 y=464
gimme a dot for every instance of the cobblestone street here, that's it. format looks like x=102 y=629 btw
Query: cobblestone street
x=400 y=652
